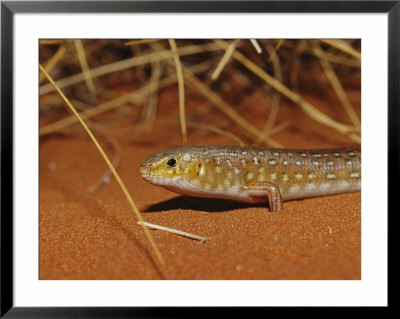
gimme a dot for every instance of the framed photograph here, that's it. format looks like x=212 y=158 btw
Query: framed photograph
x=158 y=156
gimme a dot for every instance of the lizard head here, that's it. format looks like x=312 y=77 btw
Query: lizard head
x=167 y=168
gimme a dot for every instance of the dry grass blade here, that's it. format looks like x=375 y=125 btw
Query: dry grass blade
x=181 y=89
x=275 y=98
x=51 y=63
x=224 y=107
x=117 y=102
x=343 y=46
x=307 y=107
x=52 y=41
x=85 y=67
x=338 y=59
x=256 y=45
x=204 y=127
x=175 y=231
x=104 y=107
x=333 y=79
x=278 y=45
x=224 y=60
x=136 y=42
x=216 y=130
x=150 y=109
x=279 y=128
x=108 y=162
x=128 y=63
x=270 y=121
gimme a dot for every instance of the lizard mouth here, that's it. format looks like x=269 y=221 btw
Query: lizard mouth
x=147 y=177
x=145 y=171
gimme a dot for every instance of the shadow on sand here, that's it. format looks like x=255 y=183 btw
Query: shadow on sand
x=199 y=204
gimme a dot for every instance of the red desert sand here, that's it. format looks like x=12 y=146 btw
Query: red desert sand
x=94 y=235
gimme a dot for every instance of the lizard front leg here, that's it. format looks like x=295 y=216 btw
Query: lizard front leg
x=265 y=189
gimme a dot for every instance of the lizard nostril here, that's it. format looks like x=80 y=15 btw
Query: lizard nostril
x=145 y=168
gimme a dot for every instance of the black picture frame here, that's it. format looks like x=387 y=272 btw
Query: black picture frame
x=9 y=8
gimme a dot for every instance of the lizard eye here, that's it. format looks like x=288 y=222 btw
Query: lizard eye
x=171 y=162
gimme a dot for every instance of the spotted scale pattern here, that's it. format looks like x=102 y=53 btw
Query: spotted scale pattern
x=255 y=174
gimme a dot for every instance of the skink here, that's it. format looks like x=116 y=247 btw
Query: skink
x=255 y=174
